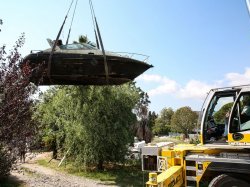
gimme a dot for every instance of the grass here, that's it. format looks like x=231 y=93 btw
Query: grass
x=127 y=175
x=168 y=139
x=11 y=182
x=29 y=172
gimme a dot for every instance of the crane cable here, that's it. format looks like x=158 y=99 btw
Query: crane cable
x=55 y=43
x=67 y=41
x=248 y=6
x=92 y=15
x=100 y=39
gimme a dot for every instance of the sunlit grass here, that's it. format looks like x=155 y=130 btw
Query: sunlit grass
x=176 y=140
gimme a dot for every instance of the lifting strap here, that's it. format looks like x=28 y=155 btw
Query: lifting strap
x=94 y=26
x=101 y=43
x=54 y=46
x=67 y=41
x=248 y=6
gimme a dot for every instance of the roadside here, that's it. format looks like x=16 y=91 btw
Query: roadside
x=31 y=174
x=38 y=172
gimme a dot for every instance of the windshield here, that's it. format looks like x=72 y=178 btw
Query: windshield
x=77 y=46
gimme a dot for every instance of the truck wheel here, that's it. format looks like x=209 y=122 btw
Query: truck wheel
x=224 y=180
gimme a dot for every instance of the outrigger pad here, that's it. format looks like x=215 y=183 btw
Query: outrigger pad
x=69 y=68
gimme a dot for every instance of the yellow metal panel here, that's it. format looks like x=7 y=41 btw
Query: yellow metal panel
x=152 y=179
x=167 y=153
x=201 y=139
x=171 y=176
x=205 y=165
x=246 y=138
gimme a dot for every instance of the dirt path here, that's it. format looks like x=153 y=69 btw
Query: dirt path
x=34 y=175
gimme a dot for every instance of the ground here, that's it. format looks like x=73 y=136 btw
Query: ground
x=30 y=174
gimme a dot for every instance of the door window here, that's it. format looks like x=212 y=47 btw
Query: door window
x=216 y=121
x=241 y=114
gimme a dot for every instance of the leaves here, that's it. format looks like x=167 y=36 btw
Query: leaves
x=163 y=122
x=94 y=122
x=184 y=120
x=15 y=101
x=219 y=116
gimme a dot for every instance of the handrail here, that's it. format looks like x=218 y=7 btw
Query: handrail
x=35 y=51
x=130 y=55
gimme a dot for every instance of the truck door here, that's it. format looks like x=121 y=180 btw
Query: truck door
x=239 y=128
x=215 y=120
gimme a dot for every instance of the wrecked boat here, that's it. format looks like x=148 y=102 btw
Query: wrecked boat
x=83 y=64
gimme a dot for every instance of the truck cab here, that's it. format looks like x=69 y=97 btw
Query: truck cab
x=226 y=117
x=221 y=159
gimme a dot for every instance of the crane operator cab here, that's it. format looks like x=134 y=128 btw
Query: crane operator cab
x=226 y=116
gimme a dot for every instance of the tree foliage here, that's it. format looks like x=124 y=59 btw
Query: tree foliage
x=184 y=120
x=163 y=122
x=16 y=91
x=6 y=161
x=143 y=126
x=82 y=39
x=152 y=116
x=94 y=123
x=220 y=115
x=1 y=22
x=15 y=101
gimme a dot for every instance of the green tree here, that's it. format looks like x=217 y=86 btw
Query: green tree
x=142 y=127
x=152 y=116
x=220 y=115
x=163 y=122
x=82 y=39
x=50 y=114
x=184 y=120
x=95 y=123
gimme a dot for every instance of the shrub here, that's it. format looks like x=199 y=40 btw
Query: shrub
x=5 y=162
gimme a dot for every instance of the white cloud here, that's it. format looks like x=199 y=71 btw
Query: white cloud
x=168 y=86
x=235 y=79
x=150 y=78
x=193 y=89
x=165 y=85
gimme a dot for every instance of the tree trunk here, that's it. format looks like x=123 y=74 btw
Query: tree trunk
x=100 y=165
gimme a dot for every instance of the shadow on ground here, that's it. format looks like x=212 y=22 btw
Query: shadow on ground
x=11 y=181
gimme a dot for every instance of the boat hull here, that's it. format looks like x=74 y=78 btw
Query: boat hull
x=83 y=69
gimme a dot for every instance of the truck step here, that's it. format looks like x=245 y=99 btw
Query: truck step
x=192 y=168
x=191 y=178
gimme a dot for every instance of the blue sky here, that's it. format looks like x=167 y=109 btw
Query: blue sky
x=194 y=45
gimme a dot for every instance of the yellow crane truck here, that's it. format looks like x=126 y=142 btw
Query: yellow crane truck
x=222 y=159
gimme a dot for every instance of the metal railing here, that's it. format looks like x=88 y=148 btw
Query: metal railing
x=134 y=56
x=35 y=51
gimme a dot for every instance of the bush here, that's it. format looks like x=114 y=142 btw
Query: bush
x=5 y=163
x=195 y=140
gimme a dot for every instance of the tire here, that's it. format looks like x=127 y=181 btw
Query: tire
x=224 y=180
